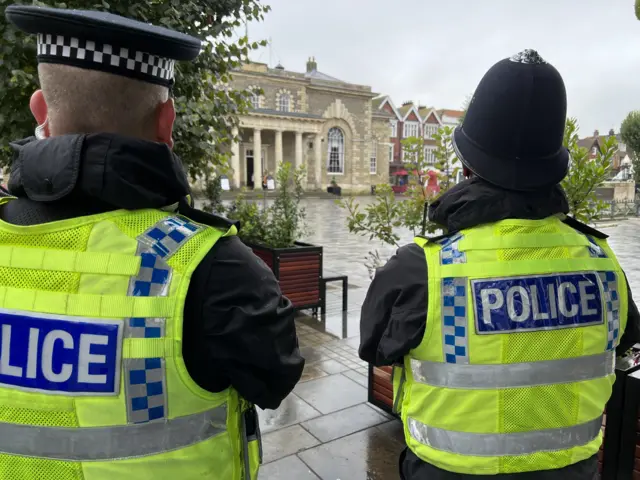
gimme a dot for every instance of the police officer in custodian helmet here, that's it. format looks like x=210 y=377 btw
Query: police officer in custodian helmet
x=137 y=333
x=506 y=327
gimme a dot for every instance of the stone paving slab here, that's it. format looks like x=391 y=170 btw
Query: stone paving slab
x=325 y=429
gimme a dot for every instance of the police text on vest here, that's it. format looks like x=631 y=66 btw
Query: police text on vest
x=543 y=302
x=60 y=354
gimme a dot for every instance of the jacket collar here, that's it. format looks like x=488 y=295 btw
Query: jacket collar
x=475 y=202
x=120 y=171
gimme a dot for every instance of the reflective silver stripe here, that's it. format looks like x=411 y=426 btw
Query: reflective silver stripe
x=513 y=375
x=109 y=443
x=502 y=444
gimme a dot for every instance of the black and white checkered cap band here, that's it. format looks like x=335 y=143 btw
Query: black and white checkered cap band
x=103 y=56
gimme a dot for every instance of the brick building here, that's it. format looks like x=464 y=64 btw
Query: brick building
x=313 y=119
x=410 y=120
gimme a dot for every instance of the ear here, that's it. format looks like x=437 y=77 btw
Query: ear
x=39 y=109
x=166 y=116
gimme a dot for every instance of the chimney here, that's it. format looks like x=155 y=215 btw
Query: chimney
x=596 y=133
x=612 y=133
x=312 y=65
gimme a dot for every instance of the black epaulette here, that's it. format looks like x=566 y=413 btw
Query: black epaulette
x=583 y=228
x=205 y=218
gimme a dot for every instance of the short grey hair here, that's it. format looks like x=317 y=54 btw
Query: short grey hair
x=90 y=101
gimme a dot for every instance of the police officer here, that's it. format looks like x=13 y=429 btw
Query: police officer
x=506 y=327
x=136 y=333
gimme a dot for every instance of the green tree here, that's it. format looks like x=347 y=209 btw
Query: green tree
x=206 y=110
x=383 y=218
x=586 y=174
x=638 y=9
x=630 y=132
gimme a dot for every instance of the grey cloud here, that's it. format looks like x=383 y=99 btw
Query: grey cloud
x=435 y=52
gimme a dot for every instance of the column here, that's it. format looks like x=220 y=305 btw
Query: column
x=235 y=160
x=317 y=155
x=298 y=160
x=278 y=149
x=257 y=159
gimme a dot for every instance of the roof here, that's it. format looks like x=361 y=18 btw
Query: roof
x=377 y=102
x=321 y=76
x=269 y=111
x=451 y=113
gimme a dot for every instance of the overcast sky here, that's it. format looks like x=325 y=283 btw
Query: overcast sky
x=436 y=51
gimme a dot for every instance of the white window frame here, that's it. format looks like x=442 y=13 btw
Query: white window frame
x=391 y=153
x=394 y=128
x=430 y=129
x=373 y=158
x=340 y=144
x=411 y=129
x=255 y=100
x=284 y=102
x=429 y=155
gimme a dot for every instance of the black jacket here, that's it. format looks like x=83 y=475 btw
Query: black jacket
x=394 y=312
x=238 y=328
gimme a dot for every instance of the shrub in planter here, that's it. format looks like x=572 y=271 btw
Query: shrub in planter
x=273 y=231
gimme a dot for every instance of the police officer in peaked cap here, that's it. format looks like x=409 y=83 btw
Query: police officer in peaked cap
x=503 y=332
x=137 y=333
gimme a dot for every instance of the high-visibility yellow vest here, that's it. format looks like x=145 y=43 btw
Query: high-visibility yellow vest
x=93 y=385
x=517 y=360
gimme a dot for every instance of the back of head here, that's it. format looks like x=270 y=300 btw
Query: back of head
x=91 y=101
x=513 y=131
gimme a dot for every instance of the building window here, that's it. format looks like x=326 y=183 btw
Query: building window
x=255 y=100
x=593 y=150
x=430 y=155
x=411 y=129
x=430 y=129
x=394 y=128
x=622 y=147
x=284 y=102
x=391 y=153
x=373 y=160
x=336 y=151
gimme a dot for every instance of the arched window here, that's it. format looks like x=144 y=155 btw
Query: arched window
x=336 y=151
x=255 y=100
x=284 y=102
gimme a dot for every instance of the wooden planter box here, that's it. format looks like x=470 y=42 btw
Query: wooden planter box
x=299 y=271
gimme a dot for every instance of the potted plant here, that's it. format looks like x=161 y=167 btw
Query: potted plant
x=334 y=188
x=273 y=229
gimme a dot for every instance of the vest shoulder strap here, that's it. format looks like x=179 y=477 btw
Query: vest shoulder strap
x=209 y=219
x=584 y=228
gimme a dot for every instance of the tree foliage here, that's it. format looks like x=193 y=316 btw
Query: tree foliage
x=586 y=174
x=278 y=224
x=630 y=132
x=206 y=110
x=637 y=7
x=383 y=218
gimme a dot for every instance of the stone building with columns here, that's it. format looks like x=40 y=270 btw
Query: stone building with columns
x=309 y=119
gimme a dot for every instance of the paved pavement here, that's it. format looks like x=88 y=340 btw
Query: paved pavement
x=326 y=429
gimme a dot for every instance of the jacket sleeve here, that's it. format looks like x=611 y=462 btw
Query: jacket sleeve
x=241 y=329
x=631 y=334
x=394 y=312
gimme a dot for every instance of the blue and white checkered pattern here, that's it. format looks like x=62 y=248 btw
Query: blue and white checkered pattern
x=168 y=235
x=146 y=389
x=145 y=377
x=450 y=253
x=455 y=333
x=612 y=301
x=594 y=249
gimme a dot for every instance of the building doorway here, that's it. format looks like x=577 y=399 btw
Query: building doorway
x=251 y=179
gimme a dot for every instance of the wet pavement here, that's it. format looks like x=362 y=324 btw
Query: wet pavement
x=326 y=429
